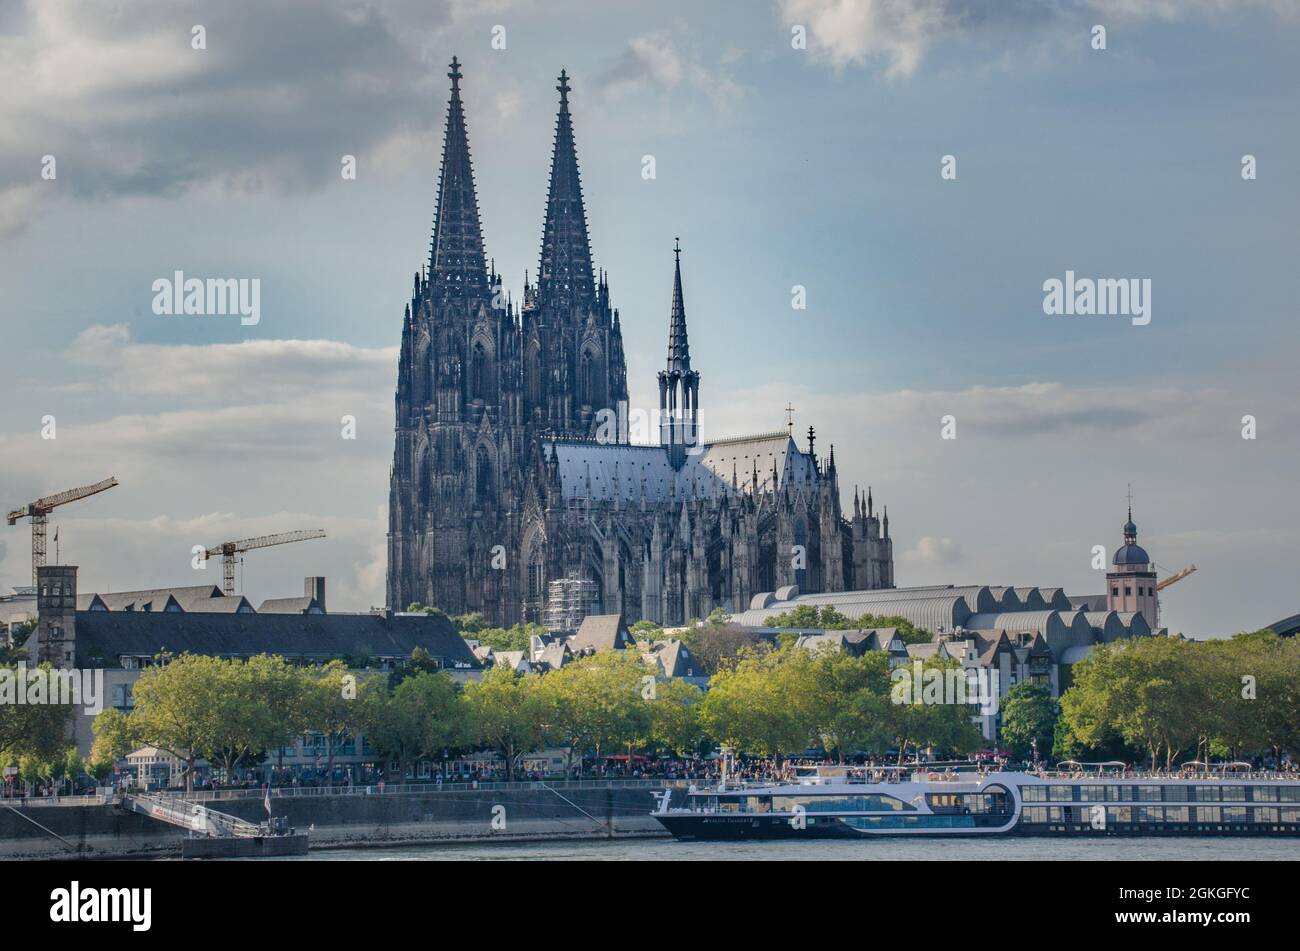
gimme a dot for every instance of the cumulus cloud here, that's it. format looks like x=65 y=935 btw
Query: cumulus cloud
x=223 y=441
x=223 y=372
x=127 y=107
x=942 y=552
x=233 y=440
x=899 y=33
x=654 y=61
x=1038 y=473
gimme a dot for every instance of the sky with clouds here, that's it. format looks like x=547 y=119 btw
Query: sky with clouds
x=776 y=166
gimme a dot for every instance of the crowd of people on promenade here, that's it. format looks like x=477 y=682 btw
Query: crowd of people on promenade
x=696 y=770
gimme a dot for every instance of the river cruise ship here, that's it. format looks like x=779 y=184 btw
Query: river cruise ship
x=847 y=802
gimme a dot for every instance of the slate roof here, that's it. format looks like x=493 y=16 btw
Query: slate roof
x=515 y=660
x=928 y=649
x=600 y=632
x=618 y=471
x=1056 y=598
x=1007 y=598
x=675 y=659
x=1287 y=627
x=922 y=608
x=1135 y=623
x=1038 y=622
x=149 y=599
x=199 y=604
x=300 y=605
x=1088 y=602
x=1107 y=622
x=1031 y=599
x=104 y=636
x=554 y=655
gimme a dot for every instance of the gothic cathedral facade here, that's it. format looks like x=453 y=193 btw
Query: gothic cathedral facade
x=508 y=474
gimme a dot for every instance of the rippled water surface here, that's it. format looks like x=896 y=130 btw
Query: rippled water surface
x=1161 y=849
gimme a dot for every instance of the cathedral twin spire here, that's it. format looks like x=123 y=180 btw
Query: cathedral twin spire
x=565 y=277
x=457 y=261
x=457 y=264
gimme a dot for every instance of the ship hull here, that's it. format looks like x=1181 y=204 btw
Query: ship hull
x=696 y=827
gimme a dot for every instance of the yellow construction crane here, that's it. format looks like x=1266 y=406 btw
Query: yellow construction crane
x=228 y=551
x=1161 y=585
x=39 y=512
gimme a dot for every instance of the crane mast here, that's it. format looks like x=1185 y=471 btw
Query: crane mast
x=39 y=512
x=230 y=550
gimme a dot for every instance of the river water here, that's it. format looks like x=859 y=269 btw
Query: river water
x=670 y=850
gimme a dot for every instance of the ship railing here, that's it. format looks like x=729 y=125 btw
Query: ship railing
x=1196 y=775
x=406 y=789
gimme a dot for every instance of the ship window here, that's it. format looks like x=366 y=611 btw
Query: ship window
x=1266 y=814
x=863 y=803
x=1176 y=813
x=1149 y=793
x=1264 y=793
x=1033 y=793
x=1061 y=793
x=1207 y=793
x=1234 y=793
x=1120 y=813
x=1177 y=794
x=1092 y=793
x=1207 y=813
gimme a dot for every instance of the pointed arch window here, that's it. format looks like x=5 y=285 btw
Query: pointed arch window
x=534 y=377
x=536 y=569
x=482 y=378
x=591 y=388
x=483 y=481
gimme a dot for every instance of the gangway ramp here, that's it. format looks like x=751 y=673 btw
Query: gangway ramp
x=215 y=834
x=191 y=816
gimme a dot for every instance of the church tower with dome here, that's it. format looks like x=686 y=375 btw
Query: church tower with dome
x=1131 y=581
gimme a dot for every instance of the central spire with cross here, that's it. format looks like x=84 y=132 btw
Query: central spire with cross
x=679 y=385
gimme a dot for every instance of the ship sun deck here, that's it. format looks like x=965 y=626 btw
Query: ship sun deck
x=954 y=803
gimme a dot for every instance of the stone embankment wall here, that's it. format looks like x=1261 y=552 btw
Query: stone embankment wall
x=561 y=811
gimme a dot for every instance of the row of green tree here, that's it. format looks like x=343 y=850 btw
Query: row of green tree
x=1165 y=701
x=1159 y=699
x=1170 y=700
x=767 y=701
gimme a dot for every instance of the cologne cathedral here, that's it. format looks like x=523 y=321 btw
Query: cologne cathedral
x=509 y=483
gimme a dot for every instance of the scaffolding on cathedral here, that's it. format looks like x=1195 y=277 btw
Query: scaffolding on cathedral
x=568 y=602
